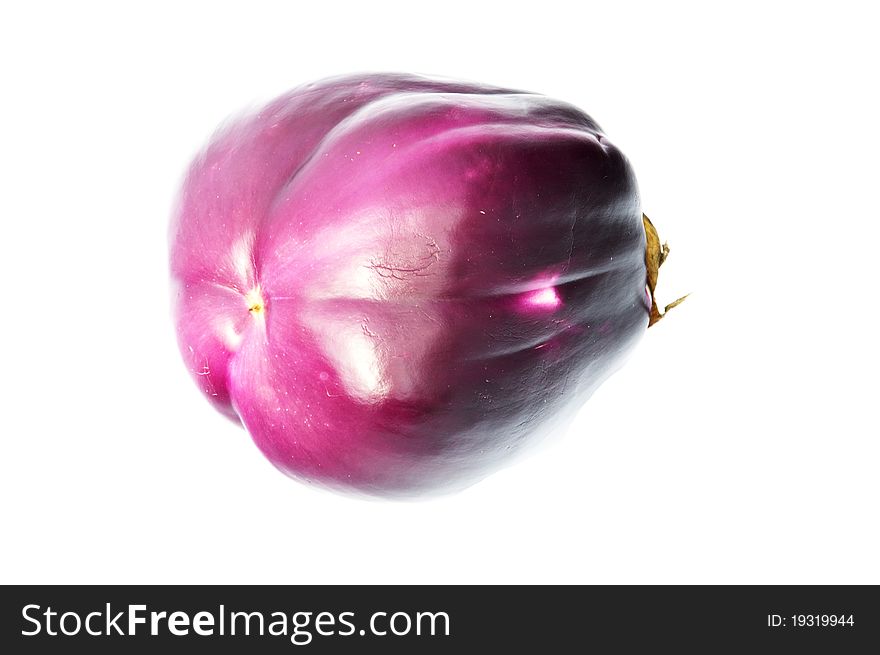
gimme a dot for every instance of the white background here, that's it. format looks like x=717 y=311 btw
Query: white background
x=740 y=442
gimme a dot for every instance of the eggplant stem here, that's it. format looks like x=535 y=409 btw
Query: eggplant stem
x=655 y=255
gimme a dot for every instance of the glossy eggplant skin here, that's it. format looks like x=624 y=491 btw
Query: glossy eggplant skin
x=396 y=282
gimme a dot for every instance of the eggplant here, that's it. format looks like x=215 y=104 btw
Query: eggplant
x=396 y=283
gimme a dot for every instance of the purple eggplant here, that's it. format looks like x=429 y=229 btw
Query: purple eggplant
x=396 y=282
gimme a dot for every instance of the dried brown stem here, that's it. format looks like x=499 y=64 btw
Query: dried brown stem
x=655 y=255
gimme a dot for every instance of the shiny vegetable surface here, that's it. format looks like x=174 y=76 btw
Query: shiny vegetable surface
x=396 y=282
